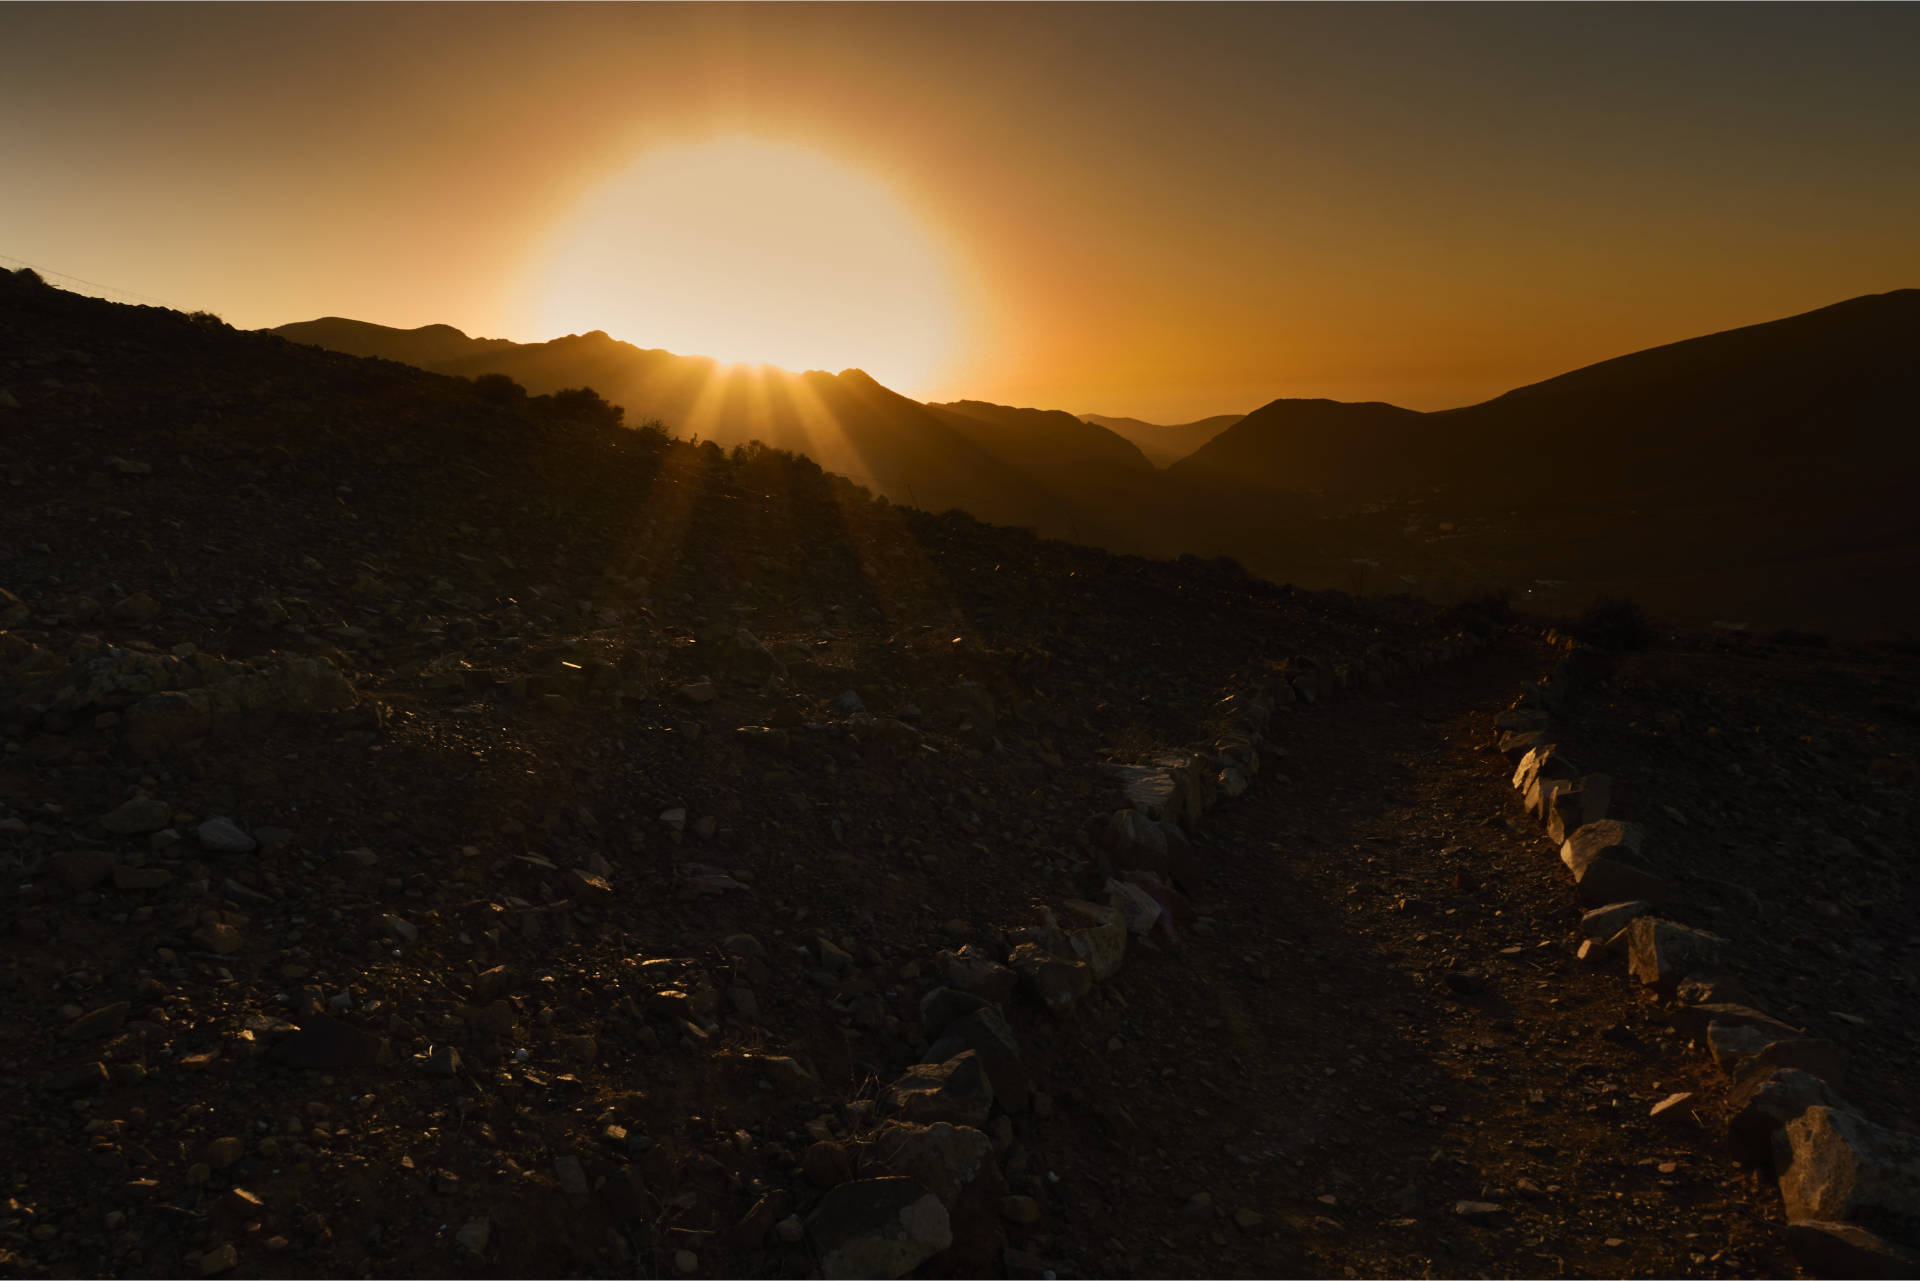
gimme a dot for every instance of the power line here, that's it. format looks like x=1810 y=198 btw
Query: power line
x=112 y=292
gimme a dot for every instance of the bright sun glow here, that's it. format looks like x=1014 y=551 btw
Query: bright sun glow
x=753 y=251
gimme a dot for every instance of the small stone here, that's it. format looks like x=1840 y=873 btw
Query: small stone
x=585 y=887
x=223 y=1152
x=140 y=878
x=790 y=1229
x=833 y=958
x=472 y=1236
x=1483 y=1213
x=104 y=1021
x=579 y=1049
x=570 y=1175
x=686 y=1261
x=404 y=930
x=443 y=1060
x=1248 y=1220
x=81 y=869
x=219 y=938
x=222 y=1259
x=325 y=1043
x=223 y=836
x=1673 y=1107
x=1019 y=1209
x=141 y=607
x=139 y=816
x=699 y=692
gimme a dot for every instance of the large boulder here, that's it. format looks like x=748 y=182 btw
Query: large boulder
x=1692 y=1021
x=1544 y=761
x=1661 y=953
x=1541 y=794
x=1517 y=743
x=1152 y=791
x=1835 y=1166
x=972 y=970
x=878 y=1228
x=1848 y=1250
x=1104 y=946
x=1136 y=841
x=1733 y=1044
x=942 y=1006
x=1762 y=1106
x=1522 y=720
x=1573 y=808
x=955 y=1090
x=1813 y=1054
x=1607 y=865
x=985 y=1034
x=1055 y=980
x=1601 y=924
x=956 y=1164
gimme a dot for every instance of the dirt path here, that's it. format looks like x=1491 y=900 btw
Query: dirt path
x=1379 y=1015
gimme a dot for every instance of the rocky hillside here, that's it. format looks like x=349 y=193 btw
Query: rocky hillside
x=458 y=834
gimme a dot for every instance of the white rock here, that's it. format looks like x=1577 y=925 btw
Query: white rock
x=223 y=836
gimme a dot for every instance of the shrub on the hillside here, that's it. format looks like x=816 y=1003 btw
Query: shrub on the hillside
x=584 y=405
x=206 y=318
x=1614 y=623
x=498 y=389
x=28 y=276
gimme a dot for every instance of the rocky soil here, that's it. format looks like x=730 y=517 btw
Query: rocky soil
x=450 y=836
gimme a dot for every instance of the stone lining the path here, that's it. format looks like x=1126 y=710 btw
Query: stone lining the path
x=931 y=1175
x=1851 y=1188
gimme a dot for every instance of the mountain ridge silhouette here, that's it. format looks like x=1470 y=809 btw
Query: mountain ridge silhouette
x=1758 y=470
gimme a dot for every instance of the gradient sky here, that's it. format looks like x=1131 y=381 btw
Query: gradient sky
x=1164 y=211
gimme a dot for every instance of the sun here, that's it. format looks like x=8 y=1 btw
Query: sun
x=753 y=251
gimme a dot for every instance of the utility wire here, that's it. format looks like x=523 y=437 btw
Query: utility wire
x=110 y=291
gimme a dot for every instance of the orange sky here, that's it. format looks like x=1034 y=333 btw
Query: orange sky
x=1164 y=211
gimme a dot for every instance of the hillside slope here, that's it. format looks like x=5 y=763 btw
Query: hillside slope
x=848 y=423
x=1830 y=389
x=1757 y=475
